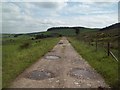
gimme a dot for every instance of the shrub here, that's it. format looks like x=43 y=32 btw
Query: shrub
x=32 y=39
x=24 y=45
x=60 y=35
x=40 y=36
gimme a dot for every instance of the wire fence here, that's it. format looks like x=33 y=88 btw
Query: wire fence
x=110 y=47
x=107 y=48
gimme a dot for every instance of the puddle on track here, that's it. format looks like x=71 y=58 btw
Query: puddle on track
x=40 y=75
x=60 y=43
x=52 y=57
x=81 y=73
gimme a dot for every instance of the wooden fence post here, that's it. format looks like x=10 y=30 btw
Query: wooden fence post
x=96 y=45
x=108 y=47
x=89 y=42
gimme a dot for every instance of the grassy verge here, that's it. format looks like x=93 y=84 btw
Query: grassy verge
x=20 y=54
x=0 y=67
x=99 y=60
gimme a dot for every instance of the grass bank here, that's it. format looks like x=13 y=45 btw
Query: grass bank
x=18 y=54
x=99 y=60
x=0 y=67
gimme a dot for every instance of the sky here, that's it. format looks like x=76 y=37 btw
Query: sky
x=27 y=17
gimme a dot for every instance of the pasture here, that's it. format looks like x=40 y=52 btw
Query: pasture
x=20 y=52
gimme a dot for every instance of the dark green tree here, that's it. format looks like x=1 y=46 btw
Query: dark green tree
x=77 y=31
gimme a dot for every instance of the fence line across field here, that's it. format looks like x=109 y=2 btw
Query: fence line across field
x=108 y=50
x=113 y=56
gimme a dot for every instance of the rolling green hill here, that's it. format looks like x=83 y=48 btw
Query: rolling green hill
x=53 y=32
x=110 y=33
x=69 y=31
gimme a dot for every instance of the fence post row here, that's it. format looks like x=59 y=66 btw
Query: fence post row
x=96 y=45
x=108 y=48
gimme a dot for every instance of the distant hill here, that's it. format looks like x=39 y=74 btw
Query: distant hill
x=112 y=30
x=69 y=31
x=56 y=31
x=110 y=33
x=114 y=26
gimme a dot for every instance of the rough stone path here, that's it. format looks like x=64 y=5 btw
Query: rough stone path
x=62 y=67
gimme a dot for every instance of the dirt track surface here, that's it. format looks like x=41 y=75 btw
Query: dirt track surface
x=67 y=70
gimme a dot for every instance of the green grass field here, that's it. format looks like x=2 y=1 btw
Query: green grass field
x=99 y=60
x=0 y=67
x=19 y=53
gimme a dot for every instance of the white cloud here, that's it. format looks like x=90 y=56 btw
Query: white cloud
x=94 y=1
x=34 y=0
x=11 y=12
x=0 y=18
x=52 y=5
x=14 y=20
x=59 y=0
x=92 y=21
x=96 y=8
x=31 y=17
